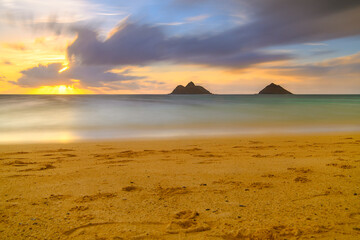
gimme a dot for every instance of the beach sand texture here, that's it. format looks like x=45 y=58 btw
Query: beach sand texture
x=256 y=187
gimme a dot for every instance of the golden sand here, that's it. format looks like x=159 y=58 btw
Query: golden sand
x=285 y=187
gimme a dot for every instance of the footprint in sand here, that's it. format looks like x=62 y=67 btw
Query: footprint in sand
x=64 y=150
x=260 y=185
x=95 y=197
x=69 y=155
x=78 y=208
x=303 y=170
x=343 y=166
x=53 y=199
x=268 y=175
x=124 y=154
x=259 y=156
x=187 y=214
x=118 y=161
x=46 y=167
x=209 y=155
x=57 y=197
x=355 y=215
x=71 y=231
x=48 y=154
x=168 y=192
x=302 y=179
x=18 y=163
x=130 y=188
x=207 y=162
x=300 y=170
x=339 y=175
x=229 y=182
x=186 y=222
x=275 y=232
x=16 y=153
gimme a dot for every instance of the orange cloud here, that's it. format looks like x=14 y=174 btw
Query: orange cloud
x=15 y=46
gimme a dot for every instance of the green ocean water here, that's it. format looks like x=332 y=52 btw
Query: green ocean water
x=67 y=118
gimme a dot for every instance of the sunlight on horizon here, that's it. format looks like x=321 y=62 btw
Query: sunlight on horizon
x=60 y=89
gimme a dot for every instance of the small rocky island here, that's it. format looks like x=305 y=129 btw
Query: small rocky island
x=190 y=88
x=274 y=89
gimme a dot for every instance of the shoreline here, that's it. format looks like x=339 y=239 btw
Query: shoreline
x=256 y=187
x=175 y=138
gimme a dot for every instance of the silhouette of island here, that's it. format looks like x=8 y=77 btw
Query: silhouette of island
x=190 y=88
x=274 y=89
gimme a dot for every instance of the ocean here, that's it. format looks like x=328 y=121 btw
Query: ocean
x=69 y=118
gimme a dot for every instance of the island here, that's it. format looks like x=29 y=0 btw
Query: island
x=274 y=89
x=190 y=88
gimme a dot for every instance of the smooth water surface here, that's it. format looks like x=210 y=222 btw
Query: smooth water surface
x=66 y=118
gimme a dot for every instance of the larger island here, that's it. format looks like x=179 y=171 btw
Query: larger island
x=190 y=88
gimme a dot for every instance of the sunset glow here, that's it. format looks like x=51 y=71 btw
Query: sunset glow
x=63 y=69
x=116 y=47
x=61 y=89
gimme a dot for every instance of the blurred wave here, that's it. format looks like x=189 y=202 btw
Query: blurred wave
x=66 y=118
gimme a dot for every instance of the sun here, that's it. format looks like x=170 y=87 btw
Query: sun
x=60 y=89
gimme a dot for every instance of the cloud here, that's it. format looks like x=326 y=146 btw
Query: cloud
x=186 y=21
x=15 y=46
x=89 y=76
x=235 y=61
x=282 y=22
x=60 y=17
x=171 y=24
x=197 y=18
x=320 y=52
x=316 y=44
x=129 y=45
x=337 y=75
x=274 y=23
x=337 y=68
x=154 y=82
x=133 y=44
x=7 y=62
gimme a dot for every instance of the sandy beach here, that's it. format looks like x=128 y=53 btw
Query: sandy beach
x=255 y=187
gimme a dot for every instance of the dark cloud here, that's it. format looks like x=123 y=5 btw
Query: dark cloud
x=89 y=76
x=274 y=23
x=281 y=22
x=133 y=44
x=235 y=60
x=129 y=45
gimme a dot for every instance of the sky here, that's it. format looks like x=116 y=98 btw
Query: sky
x=150 y=47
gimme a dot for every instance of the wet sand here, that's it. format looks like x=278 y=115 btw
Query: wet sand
x=258 y=187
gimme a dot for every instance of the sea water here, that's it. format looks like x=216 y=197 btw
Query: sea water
x=67 y=118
